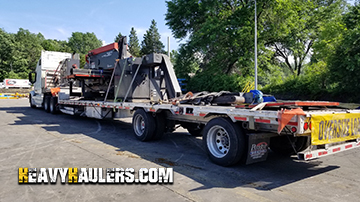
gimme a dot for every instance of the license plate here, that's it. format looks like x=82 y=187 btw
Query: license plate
x=332 y=128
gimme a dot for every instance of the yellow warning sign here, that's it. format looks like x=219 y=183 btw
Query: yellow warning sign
x=330 y=128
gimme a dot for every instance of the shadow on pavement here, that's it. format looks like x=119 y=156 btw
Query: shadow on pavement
x=179 y=150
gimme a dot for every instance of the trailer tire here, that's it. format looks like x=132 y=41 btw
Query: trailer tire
x=224 y=141
x=143 y=125
x=47 y=104
x=281 y=144
x=53 y=105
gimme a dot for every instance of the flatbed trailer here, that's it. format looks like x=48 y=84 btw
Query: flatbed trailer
x=234 y=133
x=147 y=90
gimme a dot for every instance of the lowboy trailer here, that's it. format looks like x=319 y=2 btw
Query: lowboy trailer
x=233 y=128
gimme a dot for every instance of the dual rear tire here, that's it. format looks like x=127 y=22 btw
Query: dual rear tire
x=50 y=104
x=224 y=141
x=148 y=126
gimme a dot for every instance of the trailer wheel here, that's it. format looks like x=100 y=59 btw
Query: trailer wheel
x=283 y=144
x=47 y=104
x=53 y=105
x=31 y=102
x=143 y=125
x=224 y=141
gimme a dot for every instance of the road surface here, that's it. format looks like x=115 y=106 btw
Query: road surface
x=36 y=139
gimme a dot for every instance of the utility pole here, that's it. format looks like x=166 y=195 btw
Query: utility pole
x=168 y=45
x=256 y=82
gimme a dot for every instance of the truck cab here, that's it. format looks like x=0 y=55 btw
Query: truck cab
x=45 y=72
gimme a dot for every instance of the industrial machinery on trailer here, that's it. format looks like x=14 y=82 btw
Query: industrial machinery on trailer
x=235 y=126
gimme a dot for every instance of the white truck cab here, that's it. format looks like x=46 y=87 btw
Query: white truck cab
x=45 y=70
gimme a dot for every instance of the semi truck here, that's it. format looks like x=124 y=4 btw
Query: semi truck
x=234 y=126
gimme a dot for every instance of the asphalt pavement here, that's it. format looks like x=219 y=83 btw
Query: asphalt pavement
x=36 y=139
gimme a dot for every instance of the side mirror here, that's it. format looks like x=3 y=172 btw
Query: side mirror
x=32 y=77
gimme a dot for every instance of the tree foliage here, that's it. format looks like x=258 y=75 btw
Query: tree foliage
x=55 y=45
x=293 y=33
x=152 y=42
x=118 y=37
x=293 y=36
x=83 y=42
x=344 y=64
x=19 y=52
x=134 y=47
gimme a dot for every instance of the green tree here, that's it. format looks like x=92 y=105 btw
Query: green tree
x=344 y=64
x=118 y=37
x=27 y=51
x=134 y=47
x=151 y=42
x=219 y=31
x=7 y=47
x=19 y=53
x=55 y=45
x=83 y=42
x=294 y=26
x=222 y=33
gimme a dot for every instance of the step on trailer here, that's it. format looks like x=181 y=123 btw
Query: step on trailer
x=233 y=128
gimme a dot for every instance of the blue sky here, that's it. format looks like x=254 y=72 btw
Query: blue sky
x=106 y=18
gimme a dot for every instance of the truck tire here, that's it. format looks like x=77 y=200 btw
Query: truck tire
x=53 y=105
x=31 y=102
x=224 y=141
x=47 y=104
x=143 y=125
x=282 y=145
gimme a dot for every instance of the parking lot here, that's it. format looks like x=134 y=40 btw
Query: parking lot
x=36 y=139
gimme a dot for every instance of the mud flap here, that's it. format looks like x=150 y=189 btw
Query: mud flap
x=258 y=147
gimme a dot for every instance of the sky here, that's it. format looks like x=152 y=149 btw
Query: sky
x=106 y=18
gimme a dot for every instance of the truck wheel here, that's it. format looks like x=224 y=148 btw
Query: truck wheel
x=160 y=127
x=47 y=104
x=224 y=141
x=31 y=102
x=143 y=125
x=53 y=105
x=282 y=144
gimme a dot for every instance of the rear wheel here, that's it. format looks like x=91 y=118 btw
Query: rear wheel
x=224 y=141
x=53 y=105
x=47 y=104
x=143 y=125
